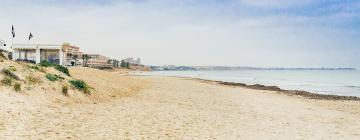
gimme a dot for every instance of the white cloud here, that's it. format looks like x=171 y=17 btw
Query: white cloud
x=277 y=3
x=187 y=35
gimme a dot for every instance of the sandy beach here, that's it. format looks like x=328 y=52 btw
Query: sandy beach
x=180 y=70
x=154 y=107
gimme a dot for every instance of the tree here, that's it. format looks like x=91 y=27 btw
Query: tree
x=75 y=57
x=85 y=59
x=69 y=57
x=123 y=64
x=117 y=63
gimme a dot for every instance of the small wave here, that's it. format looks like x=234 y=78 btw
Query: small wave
x=352 y=86
x=304 y=85
x=246 y=78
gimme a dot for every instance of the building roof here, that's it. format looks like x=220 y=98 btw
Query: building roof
x=34 y=46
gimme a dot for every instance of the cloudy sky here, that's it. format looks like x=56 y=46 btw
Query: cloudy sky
x=264 y=33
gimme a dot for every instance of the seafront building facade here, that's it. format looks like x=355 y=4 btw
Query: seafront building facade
x=64 y=54
x=35 y=53
x=97 y=61
x=73 y=55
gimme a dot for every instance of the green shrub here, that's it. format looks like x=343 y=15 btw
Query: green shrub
x=33 y=80
x=17 y=87
x=36 y=67
x=6 y=81
x=81 y=85
x=62 y=69
x=78 y=84
x=45 y=63
x=56 y=66
x=8 y=73
x=87 y=90
x=12 y=68
x=65 y=90
x=59 y=77
x=53 y=77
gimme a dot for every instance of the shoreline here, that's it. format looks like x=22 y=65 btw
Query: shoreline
x=302 y=93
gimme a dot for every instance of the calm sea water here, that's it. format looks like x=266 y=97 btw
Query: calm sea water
x=317 y=81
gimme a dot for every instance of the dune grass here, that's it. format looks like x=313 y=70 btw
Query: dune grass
x=81 y=85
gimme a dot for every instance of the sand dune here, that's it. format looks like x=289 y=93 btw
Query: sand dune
x=151 y=107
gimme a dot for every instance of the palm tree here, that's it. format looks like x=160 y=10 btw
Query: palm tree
x=85 y=59
x=75 y=57
x=117 y=63
x=68 y=57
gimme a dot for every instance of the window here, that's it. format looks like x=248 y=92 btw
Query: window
x=50 y=55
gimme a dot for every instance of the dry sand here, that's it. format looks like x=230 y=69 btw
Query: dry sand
x=152 y=107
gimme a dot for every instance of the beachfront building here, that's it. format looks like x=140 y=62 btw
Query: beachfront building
x=35 y=53
x=97 y=61
x=132 y=61
x=73 y=55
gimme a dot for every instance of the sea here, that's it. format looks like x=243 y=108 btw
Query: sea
x=333 y=82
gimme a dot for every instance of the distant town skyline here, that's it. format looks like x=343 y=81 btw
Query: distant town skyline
x=262 y=33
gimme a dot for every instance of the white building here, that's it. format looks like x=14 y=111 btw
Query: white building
x=98 y=61
x=73 y=55
x=133 y=61
x=39 y=52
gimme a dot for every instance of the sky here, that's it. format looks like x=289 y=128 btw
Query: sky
x=259 y=33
